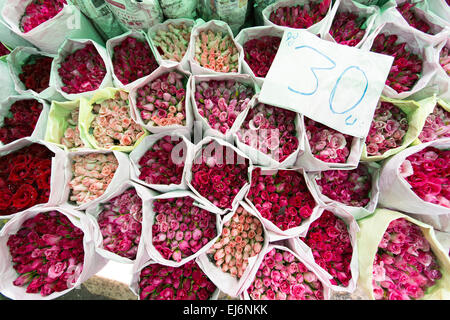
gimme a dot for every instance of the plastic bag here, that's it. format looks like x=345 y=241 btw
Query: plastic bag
x=397 y=194
x=16 y=59
x=68 y=47
x=48 y=36
x=92 y=262
x=174 y=9
x=371 y=232
x=136 y=15
x=232 y=12
x=101 y=17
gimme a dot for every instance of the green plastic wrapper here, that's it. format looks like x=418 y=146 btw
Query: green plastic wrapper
x=101 y=17
x=136 y=15
x=86 y=117
x=174 y=9
x=57 y=121
x=371 y=232
x=416 y=113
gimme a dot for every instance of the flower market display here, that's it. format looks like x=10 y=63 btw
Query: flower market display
x=262 y=150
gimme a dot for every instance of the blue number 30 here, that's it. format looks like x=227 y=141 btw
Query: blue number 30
x=333 y=91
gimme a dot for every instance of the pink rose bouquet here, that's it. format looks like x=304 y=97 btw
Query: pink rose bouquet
x=282 y=198
x=82 y=70
x=47 y=253
x=407 y=66
x=404 y=267
x=71 y=137
x=242 y=238
x=437 y=125
x=387 y=130
x=329 y=240
x=180 y=228
x=281 y=276
x=427 y=173
x=39 y=11
x=259 y=53
x=271 y=130
x=162 y=102
x=120 y=222
x=220 y=102
x=216 y=51
x=172 y=43
x=219 y=173
x=347 y=28
x=350 y=187
x=133 y=59
x=112 y=124
x=158 y=166
x=187 y=282
x=300 y=16
x=92 y=173
x=327 y=144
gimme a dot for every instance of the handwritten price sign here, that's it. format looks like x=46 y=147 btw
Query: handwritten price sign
x=333 y=84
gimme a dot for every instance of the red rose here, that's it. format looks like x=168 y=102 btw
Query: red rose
x=25 y=196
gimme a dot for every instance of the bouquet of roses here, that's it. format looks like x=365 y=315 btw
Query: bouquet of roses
x=416 y=181
x=219 y=173
x=282 y=275
x=171 y=39
x=357 y=190
x=274 y=133
x=331 y=241
x=35 y=73
x=47 y=252
x=161 y=101
x=71 y=137
x=106 y=121
x=119 y=219
x=26 y=173
x=232 y=256
x=159 y=161
x=80 y=68
x=407 y=68
x=309 y=14
x=400 y=258
x=38 y=11
x=91 y=175
x=214 y=49
x=179 y=229
x=283 y=200
x=22 y=117
x=419 y=19
x=437 y=124
x=186 y=282
x=131 y=57
x=221 y=102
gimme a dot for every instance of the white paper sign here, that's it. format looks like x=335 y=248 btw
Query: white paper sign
x=336 y=85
